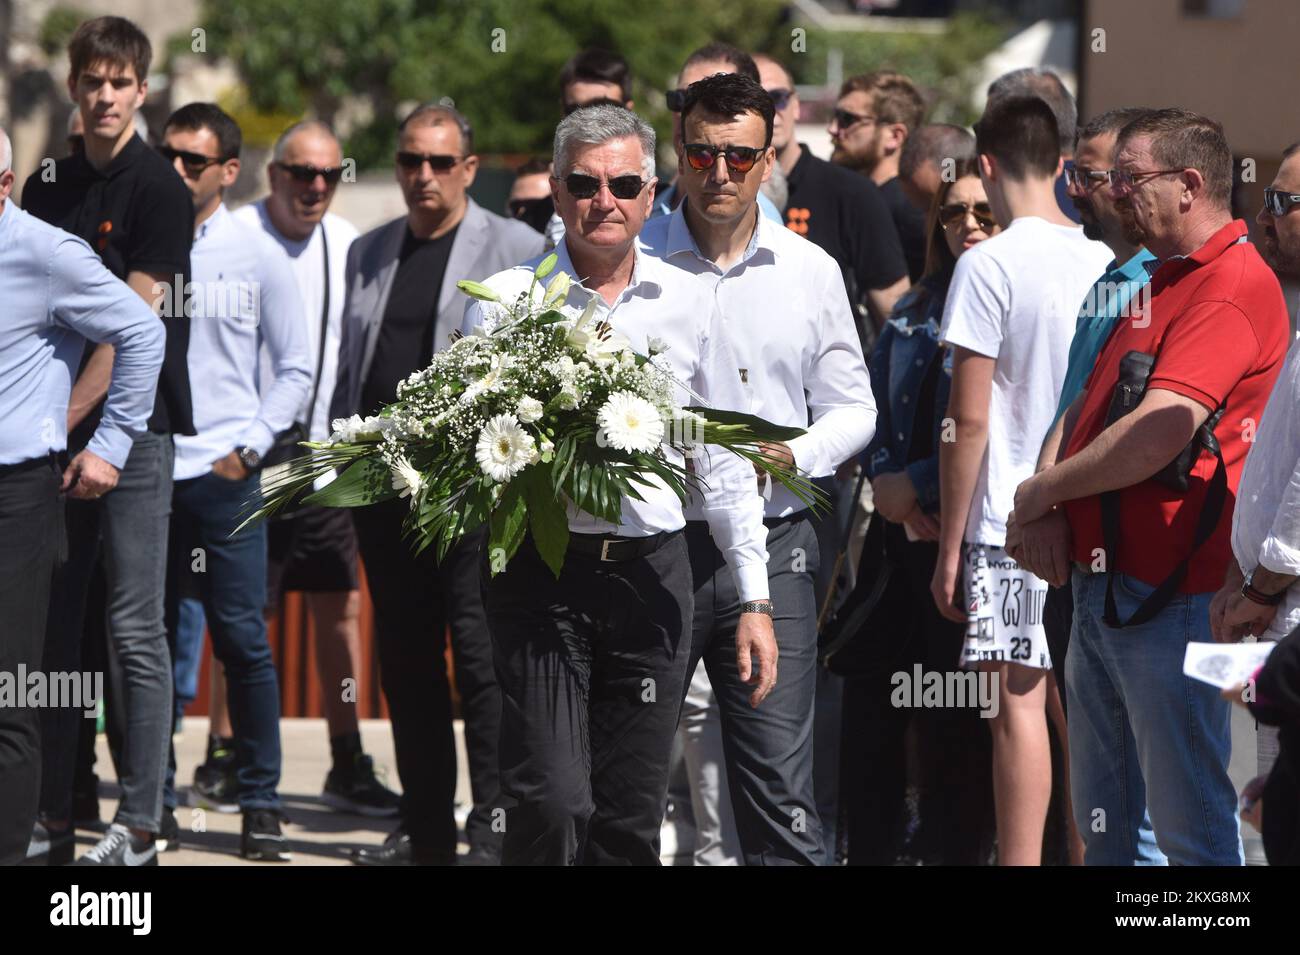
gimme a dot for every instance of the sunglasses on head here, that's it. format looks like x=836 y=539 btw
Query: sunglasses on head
x=194 y=163
x=1278 y=202
x=954 y=214
x=582 y=186
x=739 y=158
x=413 y=161
x=307 y=173
x=676 y=100
x=780 y=98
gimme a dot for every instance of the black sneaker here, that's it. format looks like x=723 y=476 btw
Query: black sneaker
x=169 y=832
x=396 y=850
x=215 y=785
x=47 y=847
x=85 y=811
x=356 y=789
x=119 y=847
x=262 y=840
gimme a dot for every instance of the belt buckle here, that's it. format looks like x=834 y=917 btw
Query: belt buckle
x=604 y=550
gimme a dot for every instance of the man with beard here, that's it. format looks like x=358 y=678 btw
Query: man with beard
x=1124 y=281
x=874 y=117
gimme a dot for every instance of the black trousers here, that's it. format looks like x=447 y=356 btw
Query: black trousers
x=416 y=599
x=1058 y=617
x=591 y=668
x=32 y=542
x=954 y=743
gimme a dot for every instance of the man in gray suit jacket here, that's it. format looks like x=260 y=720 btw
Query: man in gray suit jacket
x=402 y=304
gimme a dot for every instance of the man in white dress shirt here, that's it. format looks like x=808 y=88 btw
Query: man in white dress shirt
x=783 y=303
x=244 y=296
x=592 y=665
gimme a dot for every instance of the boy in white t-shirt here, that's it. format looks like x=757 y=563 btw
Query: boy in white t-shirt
x=1009 y=319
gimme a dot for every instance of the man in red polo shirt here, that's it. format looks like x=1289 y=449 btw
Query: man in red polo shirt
x=1141 y=733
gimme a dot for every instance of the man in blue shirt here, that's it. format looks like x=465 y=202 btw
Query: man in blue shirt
x=57 y=295
x=1120 y=292
x=244 y=296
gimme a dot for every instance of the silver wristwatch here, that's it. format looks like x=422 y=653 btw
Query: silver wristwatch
x=757 y=606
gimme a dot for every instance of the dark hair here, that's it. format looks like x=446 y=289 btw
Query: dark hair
x=597 y=66
x=444 y=113
x=533 y=167
x=938 y=257
x=935 y=142
x=724 y=53
x=115 y=39
x=1048 y=87
x=1020 y=133
x=1181 y=139
x=730 y=94
x=209 y=116
x=894 y=97
x=1111 y=121
x=1291 y=151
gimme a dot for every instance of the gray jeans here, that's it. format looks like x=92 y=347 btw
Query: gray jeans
x=127 y=528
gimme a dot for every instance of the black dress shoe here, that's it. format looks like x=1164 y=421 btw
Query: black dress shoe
x=396 y=850
x=480 y=855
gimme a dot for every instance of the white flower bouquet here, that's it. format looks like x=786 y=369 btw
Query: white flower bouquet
x=512 y=426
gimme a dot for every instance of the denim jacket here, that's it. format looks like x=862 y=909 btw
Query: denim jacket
x=899 y=363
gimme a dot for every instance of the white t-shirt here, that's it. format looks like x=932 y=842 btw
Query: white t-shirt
x=1015 y=297
x=308 y=262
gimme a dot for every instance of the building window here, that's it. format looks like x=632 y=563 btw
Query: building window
x=1213 y=9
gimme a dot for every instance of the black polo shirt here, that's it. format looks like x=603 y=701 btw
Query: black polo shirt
x=846 y=215
x=910 y=223
x=139 y=216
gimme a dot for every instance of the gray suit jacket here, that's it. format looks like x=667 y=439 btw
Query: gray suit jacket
x=485 y=244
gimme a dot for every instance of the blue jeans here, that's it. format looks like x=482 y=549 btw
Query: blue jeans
x=230 y=574
x=187 y=654
x=1142 y=734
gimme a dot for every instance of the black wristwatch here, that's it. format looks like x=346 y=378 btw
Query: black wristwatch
x=249 y=458
x=757 y=606
x=1251 y=593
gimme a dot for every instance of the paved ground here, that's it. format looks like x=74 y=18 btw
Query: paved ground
x=321 y=836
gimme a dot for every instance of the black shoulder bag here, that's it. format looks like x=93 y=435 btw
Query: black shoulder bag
x=286 y=445
x=1134 y=370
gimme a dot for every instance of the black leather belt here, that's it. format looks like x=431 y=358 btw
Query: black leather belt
x=50 y=460
x=612 y=549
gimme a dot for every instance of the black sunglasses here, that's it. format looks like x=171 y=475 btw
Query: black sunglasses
x=306 y=173
x=1082 y=178
x=194 y=163
x=844 y=119
x=676 y=100
x=582 y=186
x=1278 y=202
x=780 y=98
x=739 y=158
x=954 y=213
x=409 y=160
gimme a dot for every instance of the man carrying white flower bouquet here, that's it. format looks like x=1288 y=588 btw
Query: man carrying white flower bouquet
x=783 y=301
x=591 y=664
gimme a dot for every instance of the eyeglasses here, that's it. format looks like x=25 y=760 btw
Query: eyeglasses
x=1127 y=179
x=676 y=100
x=741 y=159
x=582 y=186
x=1278 y=202
x=307 y=173
x=780 y=98
x=194 y=163
x=953 y=214
x=1084 y=178
x=414 y=161
x=843 y=119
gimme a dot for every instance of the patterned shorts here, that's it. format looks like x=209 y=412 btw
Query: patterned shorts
x=1004 y=610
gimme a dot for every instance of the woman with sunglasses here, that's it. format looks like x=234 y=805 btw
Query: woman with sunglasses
x=911 y=385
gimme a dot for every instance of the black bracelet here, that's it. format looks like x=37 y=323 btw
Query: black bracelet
x=1259 y=597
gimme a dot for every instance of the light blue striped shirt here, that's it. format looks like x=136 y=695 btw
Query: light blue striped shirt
x=55 y=294
x=244 y=296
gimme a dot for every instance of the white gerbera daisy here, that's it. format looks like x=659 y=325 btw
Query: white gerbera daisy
x=407 y=480
x=504 y=448
x=630 y=423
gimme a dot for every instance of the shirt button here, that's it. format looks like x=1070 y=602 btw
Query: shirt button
x=919 y=362
x=906 y=399
x=900 y=436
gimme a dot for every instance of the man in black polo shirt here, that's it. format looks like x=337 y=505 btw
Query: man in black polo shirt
x=129 y=204
x=875 y=115
x=840 y=211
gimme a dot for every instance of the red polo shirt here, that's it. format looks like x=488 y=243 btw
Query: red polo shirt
x=1219 y=330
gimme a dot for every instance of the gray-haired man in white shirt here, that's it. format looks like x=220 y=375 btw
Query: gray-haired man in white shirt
x=783 y=302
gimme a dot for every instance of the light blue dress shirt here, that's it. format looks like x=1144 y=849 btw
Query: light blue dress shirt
x=55 y=294
x=244 y=294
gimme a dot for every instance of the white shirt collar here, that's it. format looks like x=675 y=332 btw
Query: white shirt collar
x=680 y=239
